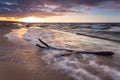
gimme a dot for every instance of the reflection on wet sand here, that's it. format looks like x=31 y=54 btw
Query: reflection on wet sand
x=80 y=67
x=20 y=61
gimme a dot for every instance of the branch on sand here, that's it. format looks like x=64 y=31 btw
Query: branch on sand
x=46 y=46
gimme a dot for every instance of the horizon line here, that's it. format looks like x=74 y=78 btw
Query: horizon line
x=56 y=22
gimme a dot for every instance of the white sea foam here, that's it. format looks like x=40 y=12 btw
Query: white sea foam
x=75 y=66
x=16 y=33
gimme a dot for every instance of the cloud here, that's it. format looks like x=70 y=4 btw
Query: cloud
x=46 y=8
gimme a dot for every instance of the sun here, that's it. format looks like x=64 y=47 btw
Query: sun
x=31 y=20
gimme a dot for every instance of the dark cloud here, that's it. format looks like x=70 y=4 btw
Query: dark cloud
x=46 y=8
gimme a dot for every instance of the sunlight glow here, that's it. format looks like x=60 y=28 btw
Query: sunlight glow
x=31 y=19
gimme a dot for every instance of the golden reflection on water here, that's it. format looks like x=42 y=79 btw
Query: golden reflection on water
x=21 y=32
x=17 y=33
x=62 y=39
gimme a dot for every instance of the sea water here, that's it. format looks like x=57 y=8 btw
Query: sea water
x=80 y=66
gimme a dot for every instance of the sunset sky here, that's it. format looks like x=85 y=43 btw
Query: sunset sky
x=61 y=10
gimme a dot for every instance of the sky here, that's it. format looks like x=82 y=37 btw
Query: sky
x=61 y=10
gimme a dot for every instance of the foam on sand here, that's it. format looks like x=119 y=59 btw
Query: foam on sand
x=80 y=67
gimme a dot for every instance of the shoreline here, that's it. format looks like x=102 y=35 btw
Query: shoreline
x=22 y=62
x=74 y=66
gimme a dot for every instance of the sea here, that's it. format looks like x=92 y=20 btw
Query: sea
x=21 y=59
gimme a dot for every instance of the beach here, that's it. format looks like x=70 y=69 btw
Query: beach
x=21 y=59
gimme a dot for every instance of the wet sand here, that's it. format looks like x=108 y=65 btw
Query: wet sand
x=21 y=61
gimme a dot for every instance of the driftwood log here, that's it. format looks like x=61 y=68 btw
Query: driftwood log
x=46 y=46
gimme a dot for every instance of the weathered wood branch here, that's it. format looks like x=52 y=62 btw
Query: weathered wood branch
x=104 y=53
x=40 y=46
x=43 y=43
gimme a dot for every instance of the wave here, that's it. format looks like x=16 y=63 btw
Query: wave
x=80 y=67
